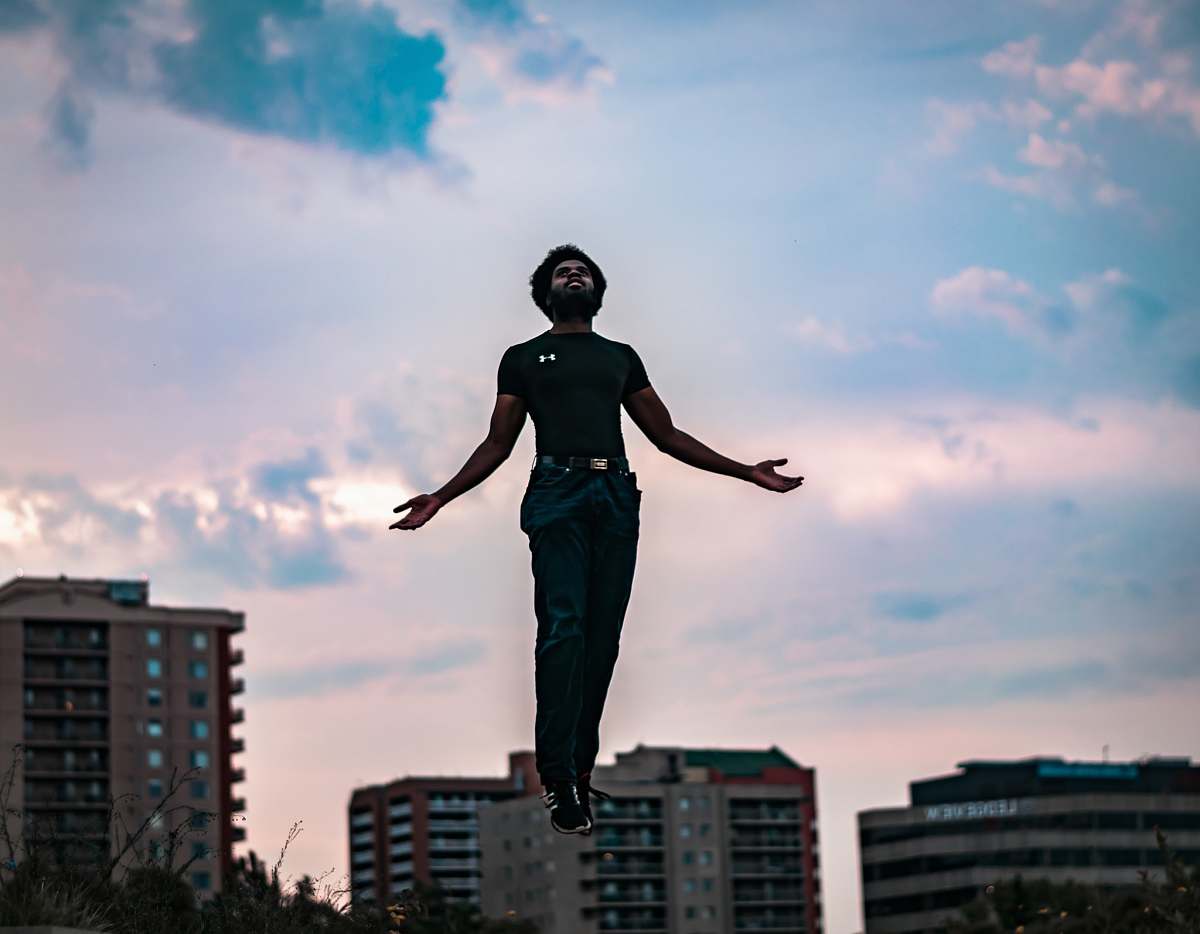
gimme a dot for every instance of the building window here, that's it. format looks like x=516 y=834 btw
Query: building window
x=688 y=856
x=684 y=803
x=200 y=850
x=704 y=829
x=154 y=667
x=199 y=640
x=153 y=638
x=153 y=697
x=198 y=699
x=154 y=788
x=154 y=728
x=199 y=729
x=691 y=911
x=199 y=759
x=685 y=831
x=154 y=758
x=202 y=881
x=707 y=884
x=689 y=886
x=706 y=857
x=198 y=819
x=199 y=789
x=198 y=669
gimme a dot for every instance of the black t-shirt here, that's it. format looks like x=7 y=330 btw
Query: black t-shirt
x=573 y=385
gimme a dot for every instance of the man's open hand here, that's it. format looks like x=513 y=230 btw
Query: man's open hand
x=423 y=506
x=764 y=475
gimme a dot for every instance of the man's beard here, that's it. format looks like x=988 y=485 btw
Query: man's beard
x=574 y=306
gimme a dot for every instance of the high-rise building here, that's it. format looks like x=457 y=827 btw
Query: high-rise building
x=427 y=829
x=692 y=841
x=1092 y=822
x=109 y=695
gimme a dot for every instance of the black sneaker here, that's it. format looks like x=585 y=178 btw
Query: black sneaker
x=585 y=788
x=566 y=815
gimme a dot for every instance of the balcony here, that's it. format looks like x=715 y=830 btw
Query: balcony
x=464 y=826
x=766 y=919
x=773 y=812
x=236 y=657
x=237 y=775
x=237 y=686
x=628 y=838
x=767 y=867
x=237 y=715
x=237 y=833
x=618 y=867
x=453 y=804
x=628 y=811
x=237 y=804
x=237 y=744
x=435 y=863
x=756 y=894
x=66 y=730
x=766 y=840
x=467 y=843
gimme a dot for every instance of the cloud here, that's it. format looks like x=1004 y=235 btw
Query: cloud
x=952 y=122
x=1113 y=293
x=1052 y=154
x=1158 y=86
x=20 y=16
x=319 y=679
x=324 y=678
x=530 y=57
x=69 y=120
x=1186 y=381
x=994 y=293
x=337 y=73
x=1014 y=59
x=290 y=478
x=1106 y=310
x=916 y=606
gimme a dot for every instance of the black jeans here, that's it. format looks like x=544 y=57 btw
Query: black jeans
x=583 y=532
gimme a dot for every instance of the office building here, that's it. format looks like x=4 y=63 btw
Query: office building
x=1091 y=822
x=108 y=694
x=692 y=841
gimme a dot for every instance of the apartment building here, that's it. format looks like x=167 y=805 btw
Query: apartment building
x=692 y=841
x=1039 y=817
x=109 y=695
x=426 y=828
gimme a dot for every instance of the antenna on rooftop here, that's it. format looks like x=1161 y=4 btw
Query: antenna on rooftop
x=1105 y=753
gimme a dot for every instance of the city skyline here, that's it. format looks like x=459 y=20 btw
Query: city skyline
x=942 y=263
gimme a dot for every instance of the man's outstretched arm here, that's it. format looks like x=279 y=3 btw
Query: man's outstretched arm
x=508 y=418
x=652 y=417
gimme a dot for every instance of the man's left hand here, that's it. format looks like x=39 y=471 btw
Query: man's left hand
x=764 y=475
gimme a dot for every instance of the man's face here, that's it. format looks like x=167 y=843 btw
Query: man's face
x=571 y=286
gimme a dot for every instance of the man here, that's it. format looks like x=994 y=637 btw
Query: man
x=580 y=509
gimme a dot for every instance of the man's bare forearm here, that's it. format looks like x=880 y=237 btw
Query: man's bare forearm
x=479 y=466
x=682 y=446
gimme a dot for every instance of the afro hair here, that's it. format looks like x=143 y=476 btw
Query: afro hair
x=539 y=282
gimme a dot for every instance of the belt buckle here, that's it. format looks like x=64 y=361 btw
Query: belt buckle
x=599 y=463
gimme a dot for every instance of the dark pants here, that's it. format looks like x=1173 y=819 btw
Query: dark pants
x=583 y=532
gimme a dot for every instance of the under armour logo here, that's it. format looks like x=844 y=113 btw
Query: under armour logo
x=542 y=358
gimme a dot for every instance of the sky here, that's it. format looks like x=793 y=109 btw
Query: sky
x=259 y=262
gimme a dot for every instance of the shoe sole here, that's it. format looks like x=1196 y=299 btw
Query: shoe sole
x=584 y=830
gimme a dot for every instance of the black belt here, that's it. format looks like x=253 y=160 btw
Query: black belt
x=591 y=463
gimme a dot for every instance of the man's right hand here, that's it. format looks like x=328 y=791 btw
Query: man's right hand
x=423 y=506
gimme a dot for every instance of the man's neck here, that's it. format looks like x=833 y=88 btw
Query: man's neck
x=571 y=325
